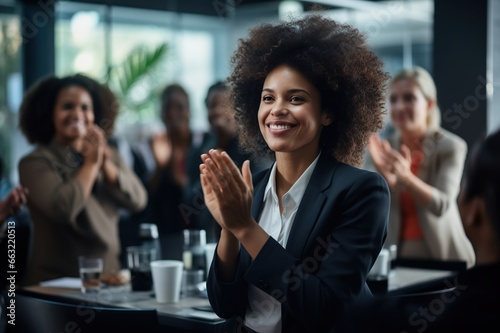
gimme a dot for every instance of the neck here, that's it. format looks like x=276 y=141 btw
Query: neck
x=413 y=140
x=180 y=137
x=487 y=253
x=289 y=168
x=76 y=145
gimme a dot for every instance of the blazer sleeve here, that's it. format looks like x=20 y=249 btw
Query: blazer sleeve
x=320 y=285
x=228 y=299
x=57 y=199
x=451 y=161
x=129 y=193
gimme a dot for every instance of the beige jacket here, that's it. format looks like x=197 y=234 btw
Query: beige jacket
x=442 y=167
x=66 y=224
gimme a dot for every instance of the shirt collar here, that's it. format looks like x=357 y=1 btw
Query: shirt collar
x=296 y=192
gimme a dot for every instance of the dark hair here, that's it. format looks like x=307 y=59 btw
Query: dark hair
x=335 y=59
x=37 y=108
x=168 y=91
x=217 y=86
x=482 y=177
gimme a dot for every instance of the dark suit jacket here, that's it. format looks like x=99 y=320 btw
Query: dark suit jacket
x=338 y=231
x=471 y=305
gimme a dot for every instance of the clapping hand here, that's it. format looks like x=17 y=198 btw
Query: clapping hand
x=11 y=205
x=161 y=146
x=94 y=146
x=395 y=167
x=228 y=193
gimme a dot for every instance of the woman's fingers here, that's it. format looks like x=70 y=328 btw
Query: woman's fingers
x=212 y=176
x=237 y=180
x=224 y=171
x=247 y=175
x=406 y=153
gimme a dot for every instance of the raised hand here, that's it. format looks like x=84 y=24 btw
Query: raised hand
x=94 y=144
x=401 y=163
x=11 y=205
x=228 y=193
x=380 y=151
x=161 y=145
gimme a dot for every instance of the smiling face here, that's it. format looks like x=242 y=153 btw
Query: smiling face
x=409 y=107
x=73 y=114
x=175 y=111
x=290 y=117
x=221 y=114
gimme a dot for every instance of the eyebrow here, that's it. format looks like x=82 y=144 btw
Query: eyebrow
x=290 y=91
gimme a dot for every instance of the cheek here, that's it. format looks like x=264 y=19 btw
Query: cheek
x=261 y=118
x=90 y=117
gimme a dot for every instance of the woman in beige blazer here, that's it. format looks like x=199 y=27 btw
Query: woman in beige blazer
x=423 y=164
x=76 y=182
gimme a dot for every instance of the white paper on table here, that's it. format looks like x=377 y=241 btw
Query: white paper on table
x=64 y=282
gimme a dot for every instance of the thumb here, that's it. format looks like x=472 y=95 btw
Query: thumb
x=405 y=152
x=247 y=174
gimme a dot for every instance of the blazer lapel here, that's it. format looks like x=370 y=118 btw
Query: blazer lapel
x=258 y=196
x=311 y=205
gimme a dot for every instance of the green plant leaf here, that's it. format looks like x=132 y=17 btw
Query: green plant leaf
x=139 y=64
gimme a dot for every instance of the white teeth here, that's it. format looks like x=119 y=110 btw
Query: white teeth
x=279 y=127
x=77 y=123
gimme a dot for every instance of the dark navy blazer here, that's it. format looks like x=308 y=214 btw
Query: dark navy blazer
x=338 y=231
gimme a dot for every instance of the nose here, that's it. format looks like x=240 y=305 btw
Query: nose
x=77 y=111
x=279 y=109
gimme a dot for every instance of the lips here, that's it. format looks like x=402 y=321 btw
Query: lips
x=277 y=127
x=76 y=124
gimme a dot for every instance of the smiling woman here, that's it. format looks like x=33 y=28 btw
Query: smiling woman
x=422 y=164
x=69 y=128
x=298 y=239
x=76 y=181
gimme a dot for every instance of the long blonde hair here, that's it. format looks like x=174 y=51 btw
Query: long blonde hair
x=426 y=84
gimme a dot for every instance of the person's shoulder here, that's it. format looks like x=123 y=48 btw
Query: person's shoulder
x=347 y=175
x=40 y=151
x=448 y=140
x=359 y=175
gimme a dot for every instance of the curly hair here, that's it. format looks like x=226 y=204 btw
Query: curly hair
x=335 y=59
x=37 y=108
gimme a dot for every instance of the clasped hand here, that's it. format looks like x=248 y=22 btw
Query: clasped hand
x=94 y=146
x=228 y=192
x=395 y=167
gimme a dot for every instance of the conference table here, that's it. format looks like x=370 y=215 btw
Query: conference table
x=192 y=314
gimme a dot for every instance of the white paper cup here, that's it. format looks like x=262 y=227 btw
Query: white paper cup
x=167 y=280
x=209 y=255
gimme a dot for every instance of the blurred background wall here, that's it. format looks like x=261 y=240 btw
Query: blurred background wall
x=138 y=46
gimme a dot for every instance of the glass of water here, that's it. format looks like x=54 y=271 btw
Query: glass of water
x=90 y=273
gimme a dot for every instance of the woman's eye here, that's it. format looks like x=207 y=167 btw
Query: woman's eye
x=67 y=106
x=296 y=99
x=409 y=98
x=267 y=99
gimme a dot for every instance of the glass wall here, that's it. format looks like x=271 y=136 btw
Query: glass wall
x=101 y=41
x=10 y=91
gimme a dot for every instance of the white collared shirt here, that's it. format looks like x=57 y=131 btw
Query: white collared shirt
x=264 y=312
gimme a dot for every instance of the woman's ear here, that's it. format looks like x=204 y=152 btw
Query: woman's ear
x=326 y=118
x=473 y=215
x=430 y=104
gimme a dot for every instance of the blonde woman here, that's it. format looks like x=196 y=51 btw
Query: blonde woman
x=422 y=164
